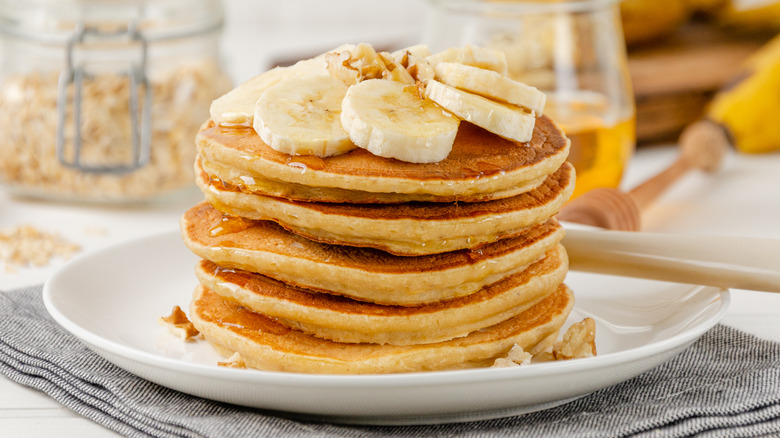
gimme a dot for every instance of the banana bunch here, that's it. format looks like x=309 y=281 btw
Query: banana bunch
x=405 y=105
x=749 y=108
x=648 y=20
x=751 y=15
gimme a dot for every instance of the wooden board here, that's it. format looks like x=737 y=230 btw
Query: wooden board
x=674 y=79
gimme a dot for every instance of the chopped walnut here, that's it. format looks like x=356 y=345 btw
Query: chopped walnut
x=516 y=356
x=361 y=62
x=544 y=356
x=178 y=324
x=415 y=63
x=234 y=361
x=26 y=245
x=579 y=341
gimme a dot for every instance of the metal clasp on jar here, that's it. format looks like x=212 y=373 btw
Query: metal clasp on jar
x=140 y=127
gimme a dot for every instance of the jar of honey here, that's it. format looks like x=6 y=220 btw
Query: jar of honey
x=574 y=51
x=100 y=101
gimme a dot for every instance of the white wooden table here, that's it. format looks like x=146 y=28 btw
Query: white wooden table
x=743 y=199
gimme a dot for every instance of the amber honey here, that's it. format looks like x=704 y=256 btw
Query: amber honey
x=600 y=149
x=229 y=224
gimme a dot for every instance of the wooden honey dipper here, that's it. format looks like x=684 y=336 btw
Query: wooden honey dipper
x=703 y=145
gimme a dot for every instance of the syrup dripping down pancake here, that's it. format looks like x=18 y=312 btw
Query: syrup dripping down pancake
x=265 y=344
x=481 y=165
x=413 y=228
x=345 y=320
x=360 y=273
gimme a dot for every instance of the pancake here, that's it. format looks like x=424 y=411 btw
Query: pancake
x=260 y=185
x=360 y=273
x=345 y=320
x=357 y=263
x=413 y=228
x=480 y=164
x=266 y=344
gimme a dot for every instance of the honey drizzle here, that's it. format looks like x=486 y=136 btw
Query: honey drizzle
x=228 y=224
x=305 y=162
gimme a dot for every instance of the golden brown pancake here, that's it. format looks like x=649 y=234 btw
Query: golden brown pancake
x=266 y=344
x=361 y=273
x=413 y=228
x=359 y=264
x=227 y=175
x=345 y=320
x=480 y=165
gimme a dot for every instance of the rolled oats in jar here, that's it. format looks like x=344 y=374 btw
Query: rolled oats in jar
x=101 y=100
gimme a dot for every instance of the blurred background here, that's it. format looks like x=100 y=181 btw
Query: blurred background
x=681 y=52
x=686 y=60
x=264 y=33
x=617 y=74
x=682 y=60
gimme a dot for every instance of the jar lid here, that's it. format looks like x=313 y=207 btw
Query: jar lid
x=54 y=20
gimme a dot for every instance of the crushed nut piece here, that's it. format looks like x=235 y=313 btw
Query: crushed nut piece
x=579 y=341
x=415 y=64
x=26 y=245
x=544 y=356
x=515 y=357
x=178 y=324
x=234 y=361
x=361 y=62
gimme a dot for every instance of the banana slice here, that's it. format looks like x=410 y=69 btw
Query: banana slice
x=490 y=84
x=390 y=119
x=237 y=107
x=508 y=121
x=301 y=116
x=481 y=57
x=418 y=50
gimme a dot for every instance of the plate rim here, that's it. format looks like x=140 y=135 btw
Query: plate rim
x=367 y=381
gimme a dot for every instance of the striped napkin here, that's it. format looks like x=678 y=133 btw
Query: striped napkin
x=726 y=385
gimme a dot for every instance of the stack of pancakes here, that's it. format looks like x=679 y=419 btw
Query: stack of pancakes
x=362 y=264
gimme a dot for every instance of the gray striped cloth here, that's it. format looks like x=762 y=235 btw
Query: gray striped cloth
x=726 y=385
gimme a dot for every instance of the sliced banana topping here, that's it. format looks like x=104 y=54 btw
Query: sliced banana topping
x=237 y=107
x=302 y=116
x=508 y=121
x=490 y=84
x=405 y=105
x=390 y=119
x=418 y=50
x=489 y=59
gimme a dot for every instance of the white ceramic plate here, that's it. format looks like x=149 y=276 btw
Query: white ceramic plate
x=111 y=299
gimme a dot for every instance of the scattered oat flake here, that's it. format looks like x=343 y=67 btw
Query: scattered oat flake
x=25 y=245
x=96 y=231
x=178 y=324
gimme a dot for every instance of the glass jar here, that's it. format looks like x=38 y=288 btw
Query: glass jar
x=101 y=100
x=572 y=50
